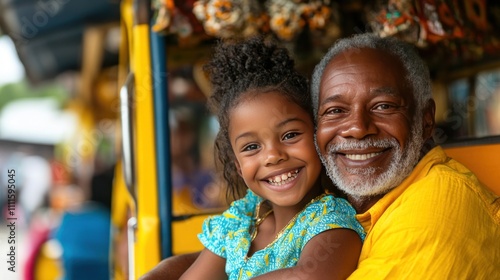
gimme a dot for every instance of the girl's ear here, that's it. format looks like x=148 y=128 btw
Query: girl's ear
x=238 y=168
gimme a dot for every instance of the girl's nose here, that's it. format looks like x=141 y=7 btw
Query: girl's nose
x=275 y=154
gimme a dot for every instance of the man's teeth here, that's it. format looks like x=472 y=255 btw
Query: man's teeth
x=283 y=178
x=361 y=156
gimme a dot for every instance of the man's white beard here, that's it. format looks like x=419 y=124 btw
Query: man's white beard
x=367 y=183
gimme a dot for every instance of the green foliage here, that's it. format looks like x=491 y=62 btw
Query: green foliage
x=19 y=90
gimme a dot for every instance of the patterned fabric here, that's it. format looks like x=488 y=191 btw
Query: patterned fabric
x=228 y=236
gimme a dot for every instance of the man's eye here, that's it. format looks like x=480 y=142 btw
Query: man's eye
x=334 y=111
x=290 y=135
x=384 y=106
x=250 y=147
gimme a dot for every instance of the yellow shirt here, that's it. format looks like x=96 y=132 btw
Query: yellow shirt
x=440 y=223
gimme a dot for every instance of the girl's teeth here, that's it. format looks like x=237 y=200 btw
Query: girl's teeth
x=283 y=178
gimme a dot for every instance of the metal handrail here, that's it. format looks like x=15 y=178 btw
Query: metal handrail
x=126 y=98
x=131 y=227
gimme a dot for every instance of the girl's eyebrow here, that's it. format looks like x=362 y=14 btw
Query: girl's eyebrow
x=286 y=121
x=243 y=135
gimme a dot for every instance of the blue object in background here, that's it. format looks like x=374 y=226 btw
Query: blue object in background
x=85 y=238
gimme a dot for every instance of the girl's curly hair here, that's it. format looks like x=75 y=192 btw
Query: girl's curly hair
x=253 y=66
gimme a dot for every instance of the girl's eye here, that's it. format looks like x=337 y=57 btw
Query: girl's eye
x=250 y=147
x=290 y=135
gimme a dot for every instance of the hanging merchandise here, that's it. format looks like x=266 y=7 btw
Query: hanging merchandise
x=475 y=11
x=316 y=13
x=432 y=28
x=322 y=36
x=289 y=18
x=163 y=10
x=449 y=13
x=229 y=19
x=395 y=18
x=440 y=20
x=171 y=17
x=285 y=18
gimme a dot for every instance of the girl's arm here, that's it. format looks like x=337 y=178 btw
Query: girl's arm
x=207 y=266
x=171 y=268
x=332 y=254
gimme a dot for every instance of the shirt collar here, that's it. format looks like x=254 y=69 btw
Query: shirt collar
x=370 y=217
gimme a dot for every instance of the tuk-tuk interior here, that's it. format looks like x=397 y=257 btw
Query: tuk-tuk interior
x=142 y=91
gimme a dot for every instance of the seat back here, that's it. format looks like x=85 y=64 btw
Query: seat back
x=481 y=156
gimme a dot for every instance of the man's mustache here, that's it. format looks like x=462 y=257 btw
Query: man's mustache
x=355 y=144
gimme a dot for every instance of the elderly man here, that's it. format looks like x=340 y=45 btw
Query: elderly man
x=426 y=215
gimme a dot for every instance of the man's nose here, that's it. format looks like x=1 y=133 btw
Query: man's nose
x=358 y=125
x=275 y=154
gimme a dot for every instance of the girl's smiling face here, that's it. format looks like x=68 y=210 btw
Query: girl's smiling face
x=273 y=141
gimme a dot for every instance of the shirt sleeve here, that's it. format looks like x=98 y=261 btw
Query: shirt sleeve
x=218 y=230
x=213 y=235
x=437 y=229
x=332 y=213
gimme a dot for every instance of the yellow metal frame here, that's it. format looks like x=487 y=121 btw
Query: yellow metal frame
x=147 y=251
x=135 y=57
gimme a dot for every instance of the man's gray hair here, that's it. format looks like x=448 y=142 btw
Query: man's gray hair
x=417 y=72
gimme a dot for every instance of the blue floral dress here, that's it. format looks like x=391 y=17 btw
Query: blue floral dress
x=227 y=235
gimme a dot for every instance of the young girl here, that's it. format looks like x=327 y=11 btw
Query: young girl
x=286 y=226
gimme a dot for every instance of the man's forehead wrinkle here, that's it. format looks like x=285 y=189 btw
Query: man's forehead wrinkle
x=385 y=90
x=332 y=80
x=337 y=96
x=342 y=67
x=331 y=98
x=335 y=89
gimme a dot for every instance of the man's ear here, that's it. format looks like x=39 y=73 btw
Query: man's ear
x=429 y=121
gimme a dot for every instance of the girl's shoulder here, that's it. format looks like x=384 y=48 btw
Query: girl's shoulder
x=242 y=209
x=220 y=231
x=330 y=212
x=328 y=203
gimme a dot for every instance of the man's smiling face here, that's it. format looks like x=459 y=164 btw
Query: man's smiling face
x=368 y=136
